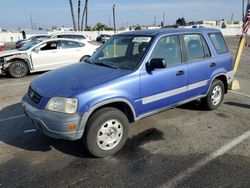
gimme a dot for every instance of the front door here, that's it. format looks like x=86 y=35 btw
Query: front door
x=45 y=57
x=164 y=87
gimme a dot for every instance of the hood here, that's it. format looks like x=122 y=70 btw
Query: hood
x=74 y=79
x=10 y=52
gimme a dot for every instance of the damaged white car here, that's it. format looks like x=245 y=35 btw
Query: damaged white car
x=46 y=55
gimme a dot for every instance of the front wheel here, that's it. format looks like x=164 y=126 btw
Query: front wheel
x=18 y=69
x=215 y=95
x=106 y=132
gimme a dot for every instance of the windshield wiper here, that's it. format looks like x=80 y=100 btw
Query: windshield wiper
x=101 y=64
x=106 y=65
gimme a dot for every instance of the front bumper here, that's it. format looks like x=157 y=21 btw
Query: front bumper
x=53 y=124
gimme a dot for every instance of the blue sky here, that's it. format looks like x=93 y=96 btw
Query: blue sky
x=46 y=13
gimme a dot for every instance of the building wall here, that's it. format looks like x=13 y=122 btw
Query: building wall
x=13 y=37
x=10 y=37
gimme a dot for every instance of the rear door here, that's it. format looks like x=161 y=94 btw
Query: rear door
x=200 y=65
x=71 y=52
x=164 y=87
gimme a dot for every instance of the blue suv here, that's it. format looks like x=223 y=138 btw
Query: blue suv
x=132 y=76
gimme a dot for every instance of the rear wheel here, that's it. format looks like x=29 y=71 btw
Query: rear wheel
x=215 y=95
x=106 y=132
x=18 y=69
x=84 y=58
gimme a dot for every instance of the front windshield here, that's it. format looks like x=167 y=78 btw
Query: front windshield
x=29 y=45
x=122 y=52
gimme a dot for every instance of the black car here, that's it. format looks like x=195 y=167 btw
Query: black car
x=103 y=38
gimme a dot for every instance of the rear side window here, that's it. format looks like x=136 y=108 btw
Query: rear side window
x=196 y=47
x=70 y=44
x=219 y=43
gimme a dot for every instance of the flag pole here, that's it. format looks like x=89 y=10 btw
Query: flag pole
x=235 y=84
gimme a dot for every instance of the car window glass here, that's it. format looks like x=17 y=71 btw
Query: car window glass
x=78 y=37
x=124 y=52
x=168 y=48
x=116 y=49
x=194 y=47
x=219 y=43
x=70 y=44
x=49 y=46
x=206 y=48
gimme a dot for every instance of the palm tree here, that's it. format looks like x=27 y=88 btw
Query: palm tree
x=83 y=13
x=79 y=10
x=72 y=14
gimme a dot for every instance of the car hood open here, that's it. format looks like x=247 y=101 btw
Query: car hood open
x=74 y=79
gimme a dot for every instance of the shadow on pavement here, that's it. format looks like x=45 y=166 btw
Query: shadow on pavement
x=12 y=132
x=194 y=105
x=241 y=105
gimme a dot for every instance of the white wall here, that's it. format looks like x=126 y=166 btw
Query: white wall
x=13 y=37
x=10 y=37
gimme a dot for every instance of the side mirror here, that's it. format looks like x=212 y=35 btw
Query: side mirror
x=156 y=63
x=37 y=50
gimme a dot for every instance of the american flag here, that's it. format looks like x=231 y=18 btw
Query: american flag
x=247 y=20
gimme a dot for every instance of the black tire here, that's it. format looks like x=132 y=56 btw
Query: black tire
x=95 y=127
x=84 y=58
x=18 y=69
x=209 y=101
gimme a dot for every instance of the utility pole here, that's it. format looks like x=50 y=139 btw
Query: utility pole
x=114 y=18
x=31 y=22
x=109 y=21
x=163 y=20
x=86 y=17
x=155 y=21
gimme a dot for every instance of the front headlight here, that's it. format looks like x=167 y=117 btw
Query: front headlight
x=61 y=104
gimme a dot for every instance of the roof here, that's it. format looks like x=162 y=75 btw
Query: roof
x=35 y=32
x=155 y=32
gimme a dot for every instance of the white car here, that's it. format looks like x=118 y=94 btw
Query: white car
x=44 y=55
x=73 y=36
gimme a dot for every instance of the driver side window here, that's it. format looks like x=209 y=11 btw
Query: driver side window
x=49 y=46
x=168 y=48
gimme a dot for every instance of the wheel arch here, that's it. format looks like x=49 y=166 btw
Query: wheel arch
x=223 y=78
x=119 y=103
x=83 y=57
x=26 y=61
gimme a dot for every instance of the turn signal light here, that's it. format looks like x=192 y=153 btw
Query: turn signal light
x=72 y=127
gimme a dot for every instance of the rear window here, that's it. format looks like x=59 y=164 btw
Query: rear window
x=219 y=43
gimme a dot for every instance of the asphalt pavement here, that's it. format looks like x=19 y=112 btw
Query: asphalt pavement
x=182 y=147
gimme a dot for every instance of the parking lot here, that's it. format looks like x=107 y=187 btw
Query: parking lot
x=182 y=147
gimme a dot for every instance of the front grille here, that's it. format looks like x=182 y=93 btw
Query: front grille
x=34 y=95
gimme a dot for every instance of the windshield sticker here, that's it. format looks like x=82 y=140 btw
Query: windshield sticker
x=141 y=39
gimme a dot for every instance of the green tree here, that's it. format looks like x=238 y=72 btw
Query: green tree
x=100 y=27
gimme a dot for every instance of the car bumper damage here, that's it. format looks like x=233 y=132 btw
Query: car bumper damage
x=54 y=124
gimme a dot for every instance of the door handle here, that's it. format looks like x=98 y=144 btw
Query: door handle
x=179 y=73
x=213 y=65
